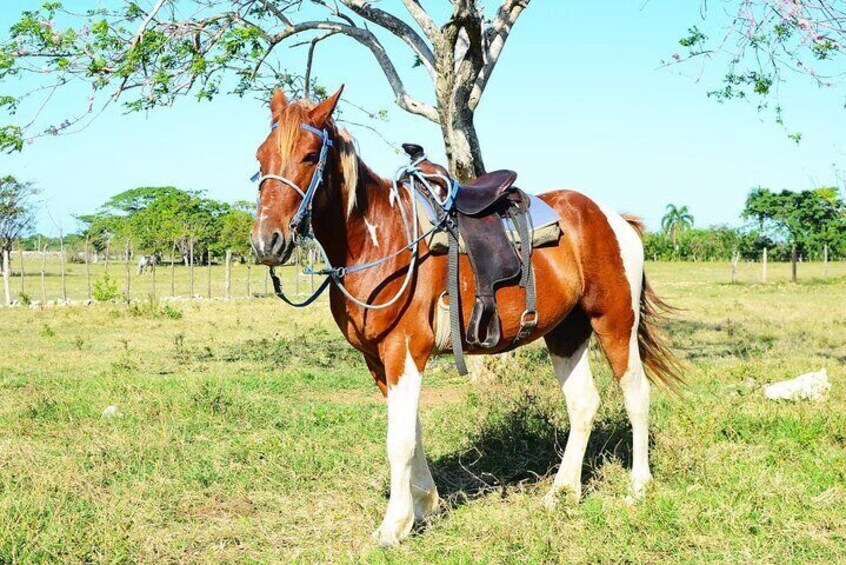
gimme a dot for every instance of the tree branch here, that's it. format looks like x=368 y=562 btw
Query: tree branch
x=495 y=37
x=369 y=40
x=423 y=19
x=396 y=26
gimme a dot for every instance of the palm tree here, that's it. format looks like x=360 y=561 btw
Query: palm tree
x=676 y=220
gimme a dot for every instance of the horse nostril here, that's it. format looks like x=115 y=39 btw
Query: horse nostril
x=277 y=243
x=274 y=238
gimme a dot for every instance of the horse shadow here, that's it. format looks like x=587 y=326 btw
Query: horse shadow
x=521 y=450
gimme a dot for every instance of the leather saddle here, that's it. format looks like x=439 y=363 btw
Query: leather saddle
x=478 y=211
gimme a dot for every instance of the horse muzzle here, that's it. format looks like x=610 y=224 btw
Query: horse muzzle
x=272 y=249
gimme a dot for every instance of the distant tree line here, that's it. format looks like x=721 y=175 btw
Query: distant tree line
x=162 y=220
x=790 y=225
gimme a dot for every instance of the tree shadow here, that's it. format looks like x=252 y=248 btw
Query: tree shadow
x=521 y=448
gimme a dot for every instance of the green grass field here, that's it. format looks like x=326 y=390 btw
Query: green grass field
x=250 y=432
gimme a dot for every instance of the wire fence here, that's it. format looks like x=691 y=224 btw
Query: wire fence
x=51 y=277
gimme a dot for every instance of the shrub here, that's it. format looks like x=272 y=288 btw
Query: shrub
x=105 y=288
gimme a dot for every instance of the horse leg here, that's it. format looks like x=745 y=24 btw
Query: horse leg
x=620 y=342
x=413 y=492
x=568 y=348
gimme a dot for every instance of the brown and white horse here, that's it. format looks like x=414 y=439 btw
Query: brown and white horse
x=591 y=281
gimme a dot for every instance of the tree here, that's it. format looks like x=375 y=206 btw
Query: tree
x=675 y=221
x=235 y=227
x=152 y=57
x=17 y=216
x=807 y=220
x=766 y=38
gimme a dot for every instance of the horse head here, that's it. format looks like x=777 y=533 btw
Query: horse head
x=292 y=158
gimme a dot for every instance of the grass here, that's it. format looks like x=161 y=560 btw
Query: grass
x=250 y=432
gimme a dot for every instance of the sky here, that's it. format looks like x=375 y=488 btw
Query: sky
x=578 y=100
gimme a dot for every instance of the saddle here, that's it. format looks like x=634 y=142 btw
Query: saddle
x=477 y=216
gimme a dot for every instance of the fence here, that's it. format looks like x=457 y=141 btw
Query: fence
x=50 y=277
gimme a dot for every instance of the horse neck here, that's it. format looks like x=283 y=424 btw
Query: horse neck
x=371 y=229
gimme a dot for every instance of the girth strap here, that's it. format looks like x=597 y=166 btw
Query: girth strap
x=454 y=296
x=529 y=318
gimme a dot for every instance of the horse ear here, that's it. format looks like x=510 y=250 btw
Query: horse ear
x=320 y=113
x=413 y=150
x=278 y=102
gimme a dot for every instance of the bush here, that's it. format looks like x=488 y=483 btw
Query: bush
x=105 y=288
x=25 y=299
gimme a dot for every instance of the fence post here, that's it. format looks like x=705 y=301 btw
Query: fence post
x=312 y=258
x=794 y=258
x=87 y=268
x=764 y=266
x=191 y=267
x=249 y=275
x=735 y=257
x=6 y=275
x=23 y=275
x=127 y=288
x=228 y=287
x=208 y=281
x=825 y=260
x=108 y=252
x=62 y=263
x=173 y=270
x=43 y=271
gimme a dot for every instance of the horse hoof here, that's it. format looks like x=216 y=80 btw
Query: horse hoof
x=571 y=495
x=638 y=489
x=390 y=533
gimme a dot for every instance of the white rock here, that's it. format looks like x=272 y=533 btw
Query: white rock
x=810 y=386
x=111 y=411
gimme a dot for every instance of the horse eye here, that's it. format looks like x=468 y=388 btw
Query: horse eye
x=310 y=158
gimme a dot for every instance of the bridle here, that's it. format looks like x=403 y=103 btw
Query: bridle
x=304 y=210
x=301 y=226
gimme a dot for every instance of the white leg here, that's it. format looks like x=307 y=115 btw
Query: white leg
x=582 y=398
x=412 y=490
x=424 y=492
x=635 y=388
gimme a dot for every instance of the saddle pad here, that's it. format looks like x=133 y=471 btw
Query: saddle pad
x=544 y=222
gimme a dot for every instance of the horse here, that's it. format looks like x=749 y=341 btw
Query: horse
x=147 y=262
x=590 y=282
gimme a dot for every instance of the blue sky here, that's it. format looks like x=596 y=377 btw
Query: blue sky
x=577 y=101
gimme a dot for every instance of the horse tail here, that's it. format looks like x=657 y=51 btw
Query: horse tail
x=660 y=362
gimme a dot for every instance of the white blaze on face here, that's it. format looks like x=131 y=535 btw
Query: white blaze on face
x=371 y=230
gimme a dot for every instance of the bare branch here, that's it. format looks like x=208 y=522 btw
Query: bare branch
x=366 y=38
x=396 y=26
x=495 y=37
x=310 y=60
x=423 y=19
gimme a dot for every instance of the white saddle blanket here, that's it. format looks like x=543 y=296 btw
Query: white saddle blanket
x=544 y=225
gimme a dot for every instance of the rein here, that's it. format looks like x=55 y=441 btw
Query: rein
x=303 y=216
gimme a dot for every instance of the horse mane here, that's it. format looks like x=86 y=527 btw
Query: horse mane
x=348 y=156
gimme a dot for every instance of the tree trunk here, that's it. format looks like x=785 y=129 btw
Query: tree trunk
x=7 y=275
x=464 y=155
